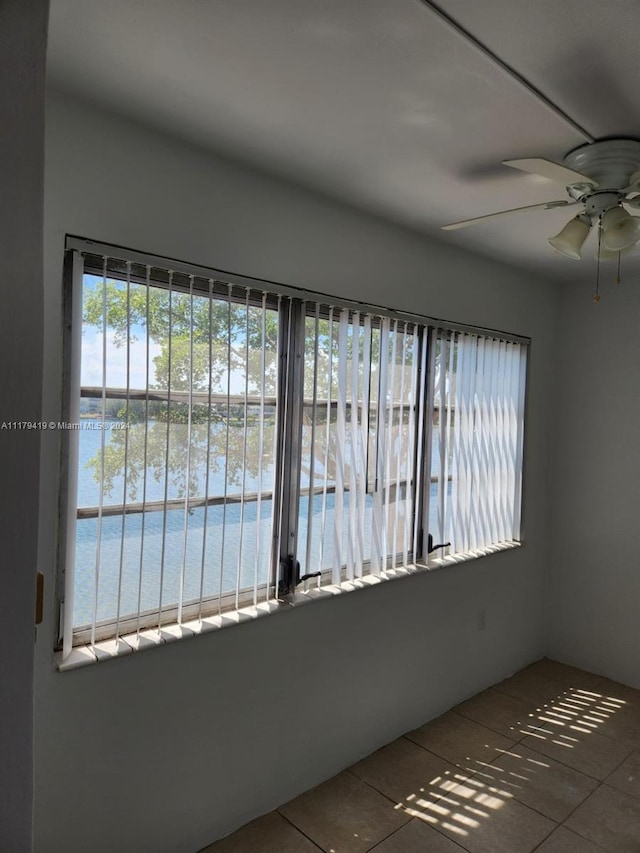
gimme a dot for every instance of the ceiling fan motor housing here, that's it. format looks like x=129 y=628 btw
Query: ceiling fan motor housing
x=596 y=203
x=612 y=163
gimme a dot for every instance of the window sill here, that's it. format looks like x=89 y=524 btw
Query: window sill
x=329 y=590
x=85 y=655
x=151 y=638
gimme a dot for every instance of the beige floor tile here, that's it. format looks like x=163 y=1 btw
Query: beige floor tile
x=615 y=706
x=531 y=689
x=498 y=711
x=344 y=814
x=562 y=673
x=268 y=834
x=627 y=777
x=585 y=711
x=609 y=818
x=592 y=754
x=482 y=820
x=539 y=782
x=621 y=723
x=404 y=770
x=581 y=712
x=460 y=741
x=569 y=676
x=417 y=837
x=563 y=841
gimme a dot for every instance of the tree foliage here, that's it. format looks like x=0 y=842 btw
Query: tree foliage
x=209 y=346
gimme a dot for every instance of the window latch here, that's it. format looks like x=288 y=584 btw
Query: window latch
x=290 y=575
x=431 y=547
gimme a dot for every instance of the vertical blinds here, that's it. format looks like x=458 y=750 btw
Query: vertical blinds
x=223 y=430
x=477 y=422
x=177 y=404
x=361 y=409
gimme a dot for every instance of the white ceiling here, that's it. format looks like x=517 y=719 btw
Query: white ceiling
x=380 y=103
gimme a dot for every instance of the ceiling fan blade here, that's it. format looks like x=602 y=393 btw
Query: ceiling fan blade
x=547 y=205
x=634 y=184
x=548 y=169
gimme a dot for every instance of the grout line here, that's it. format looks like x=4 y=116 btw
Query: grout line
x=297 y=828
x=573 y=811
x=382 y=840
x=546 y=838
x=373 y=787
x=559 y=760
x=618 y=766
x=577 y=831
x=403 y=803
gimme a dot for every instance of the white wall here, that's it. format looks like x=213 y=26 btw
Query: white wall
x=169 y=749
x=22 y=69
x=595 y=587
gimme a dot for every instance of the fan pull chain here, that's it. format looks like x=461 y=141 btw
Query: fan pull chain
x=596 y=297
x=618 y=274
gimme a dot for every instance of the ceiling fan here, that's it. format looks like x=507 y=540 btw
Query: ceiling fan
x=604 y=178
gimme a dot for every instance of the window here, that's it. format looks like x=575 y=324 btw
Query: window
x=359 y=440
x=477 y=428
x=229 y=441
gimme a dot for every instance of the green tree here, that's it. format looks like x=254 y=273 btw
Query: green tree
x=202 y=342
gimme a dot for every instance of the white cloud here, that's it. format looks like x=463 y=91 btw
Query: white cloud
x=92 y=355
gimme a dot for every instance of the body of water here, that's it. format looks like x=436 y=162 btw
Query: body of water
x=142 y=559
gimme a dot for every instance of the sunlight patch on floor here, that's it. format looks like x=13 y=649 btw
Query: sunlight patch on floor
x=461 y=803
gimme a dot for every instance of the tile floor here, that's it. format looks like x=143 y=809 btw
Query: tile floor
x=547 y=760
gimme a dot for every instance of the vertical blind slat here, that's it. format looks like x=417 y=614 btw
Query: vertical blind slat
x=226 y=451
x=410 y=474
x=352 y=539
x=244 y=454
x=447 y=533
x=363 y=459
x=441 y=402
x=273 y=525
x=341 y=423
x=421 y=521
x=207 y=457
x=517 y=497
x=166 y=460
x=501 y=460
x=423 y=525
x=145 y=446
x=379 y=543
x=312 y=449
x=187 y=476
x=327 y=441
x=126 y=449
x=399 y=450
x=389 y=444
x=263 y=356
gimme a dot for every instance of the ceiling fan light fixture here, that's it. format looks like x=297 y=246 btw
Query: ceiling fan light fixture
x=569 y=241
x=620 y=230
x=608 y=255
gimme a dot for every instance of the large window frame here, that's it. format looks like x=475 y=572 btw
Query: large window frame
x=294 y=308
